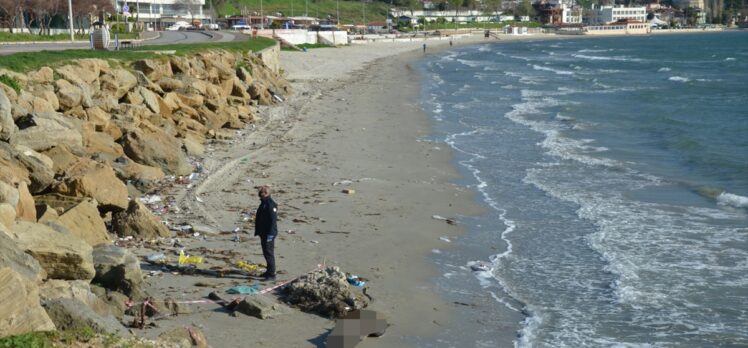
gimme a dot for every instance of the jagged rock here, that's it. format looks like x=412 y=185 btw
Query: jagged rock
x=183 y=337
x=83 y=71
x=127 y=169
x=116 y=302
x=7 y=214
x=84 y=222
x=11 y=255
x=100 y=145
x=43 y=75
x=80 y=290
x=41 y=131
x=26 y=208
x=68 y=95
x=150 y=68
x=144 y=82
x=9 y=194
x=41 y=105
x=98 y=116
x=58 y=202
x=191 y=100
x=239 y=89
x=62 y=158
x=325 y=292
x=151 y=146
x=20 y=311
x=50 y=97
x=70 y=314
x=7 y=126
x=117 y=83
x=133 y=98
x=138 y=222
x=179 y=65
x=193 y=146
x=117 y=269
x=169 y=84
x=244 y=75
x=61 y=256
x=88 y=178
x=261 y=307
x=45 y=213
x=260 y=93
x=149 y=98
x=39 y=167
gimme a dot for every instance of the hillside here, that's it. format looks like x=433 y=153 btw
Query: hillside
x=350 y=11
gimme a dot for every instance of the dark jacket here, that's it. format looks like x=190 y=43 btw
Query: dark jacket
x=266 y=218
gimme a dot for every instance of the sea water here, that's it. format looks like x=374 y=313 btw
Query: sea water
x=615 y=176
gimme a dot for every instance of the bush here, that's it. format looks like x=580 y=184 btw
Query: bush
x=11 y=82
x=29 y=340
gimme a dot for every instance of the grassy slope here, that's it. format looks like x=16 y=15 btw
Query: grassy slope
x=25 y=37
x=350 y=11
x=22 y=62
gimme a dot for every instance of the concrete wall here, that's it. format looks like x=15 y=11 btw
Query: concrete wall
x=303 y=36
x=271 y=57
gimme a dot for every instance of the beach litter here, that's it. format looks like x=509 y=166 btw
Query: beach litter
x=249 y=267
x=189 y=260
x=244 y=290
x=349 y=191
x=445 y=239
x=325 y=292
x=355 y=281
x=450 y=221
x=156 y=258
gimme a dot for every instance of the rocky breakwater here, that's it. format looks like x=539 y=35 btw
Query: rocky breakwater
x=78 y=144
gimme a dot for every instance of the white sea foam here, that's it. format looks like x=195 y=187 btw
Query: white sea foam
x=555 y=71
x=472 y=63
x=737 y=201
x=729 y=59
x=665 y=69
x=614 y=58
x=586 y=50
x=679 y=79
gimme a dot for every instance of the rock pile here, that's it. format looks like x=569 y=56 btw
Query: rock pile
x=70 y=143
x=325 y=292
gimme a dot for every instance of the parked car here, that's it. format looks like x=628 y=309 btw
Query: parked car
x=240 y=27
x=212 y=26
x=178 y=26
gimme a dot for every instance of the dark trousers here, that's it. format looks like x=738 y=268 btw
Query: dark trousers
x=268 y=250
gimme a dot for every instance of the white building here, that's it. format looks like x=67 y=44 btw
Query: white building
x=610 y=14
x=461 y=16
x=163 y=12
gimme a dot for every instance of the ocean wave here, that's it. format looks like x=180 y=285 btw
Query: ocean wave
x=472 y=63
x=587 y=50
x=558 y=72
x=665 y=69
x=679 y=79
x=733 y=200
x=729 y=59
x=615 y=58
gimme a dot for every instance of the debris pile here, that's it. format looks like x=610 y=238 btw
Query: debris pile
x=325 y=292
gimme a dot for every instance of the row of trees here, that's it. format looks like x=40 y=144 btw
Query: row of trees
x=40 y=14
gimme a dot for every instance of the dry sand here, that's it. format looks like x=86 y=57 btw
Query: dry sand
x=354 y=116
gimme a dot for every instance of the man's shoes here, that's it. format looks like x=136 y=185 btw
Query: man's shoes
x=268 y=276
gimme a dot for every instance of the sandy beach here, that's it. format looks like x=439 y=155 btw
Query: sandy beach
x=353 y=123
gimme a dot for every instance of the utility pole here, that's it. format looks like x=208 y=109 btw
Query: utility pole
x=262 y=17
x=337 y=12
x=306 y=8
x=70 y=14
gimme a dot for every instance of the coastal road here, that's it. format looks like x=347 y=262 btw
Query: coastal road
x=166 y=37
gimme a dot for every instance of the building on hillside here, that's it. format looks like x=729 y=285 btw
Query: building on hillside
x=159 y=14
x=690 y=3
x=610 y=14
x=558 y=12
x=459 y=16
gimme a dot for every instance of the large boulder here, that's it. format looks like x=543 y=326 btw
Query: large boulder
x=42 y=131
x=20 y=311
x=7 y=214
x=100 y=145
x=39 y=167
x=151 y=146
x=61 y=256
x=62 y=158
x=138 y=222
x=59 y=203
x=80 y=290
x=7 y=126
x=169 y=84
x=149 y=99
x=14 y=257
x=152 y=69
x=127 y=169
x=68 y=95
x=9 y=194
x=71 y=314
x=83 y=71
x=26 y=208
x=43 y=75
x=84 y=222
x=261 y=307
x=87 y=178
x=325 y=292
x=117 y=269
x=117 y=83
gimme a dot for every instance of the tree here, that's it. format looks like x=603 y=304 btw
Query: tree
x=188 y=5
x=525 y=9
x=10 y=10
x=492 y=7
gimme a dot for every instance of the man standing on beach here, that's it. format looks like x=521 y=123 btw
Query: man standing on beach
x=267 y=229
x=424 y=47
